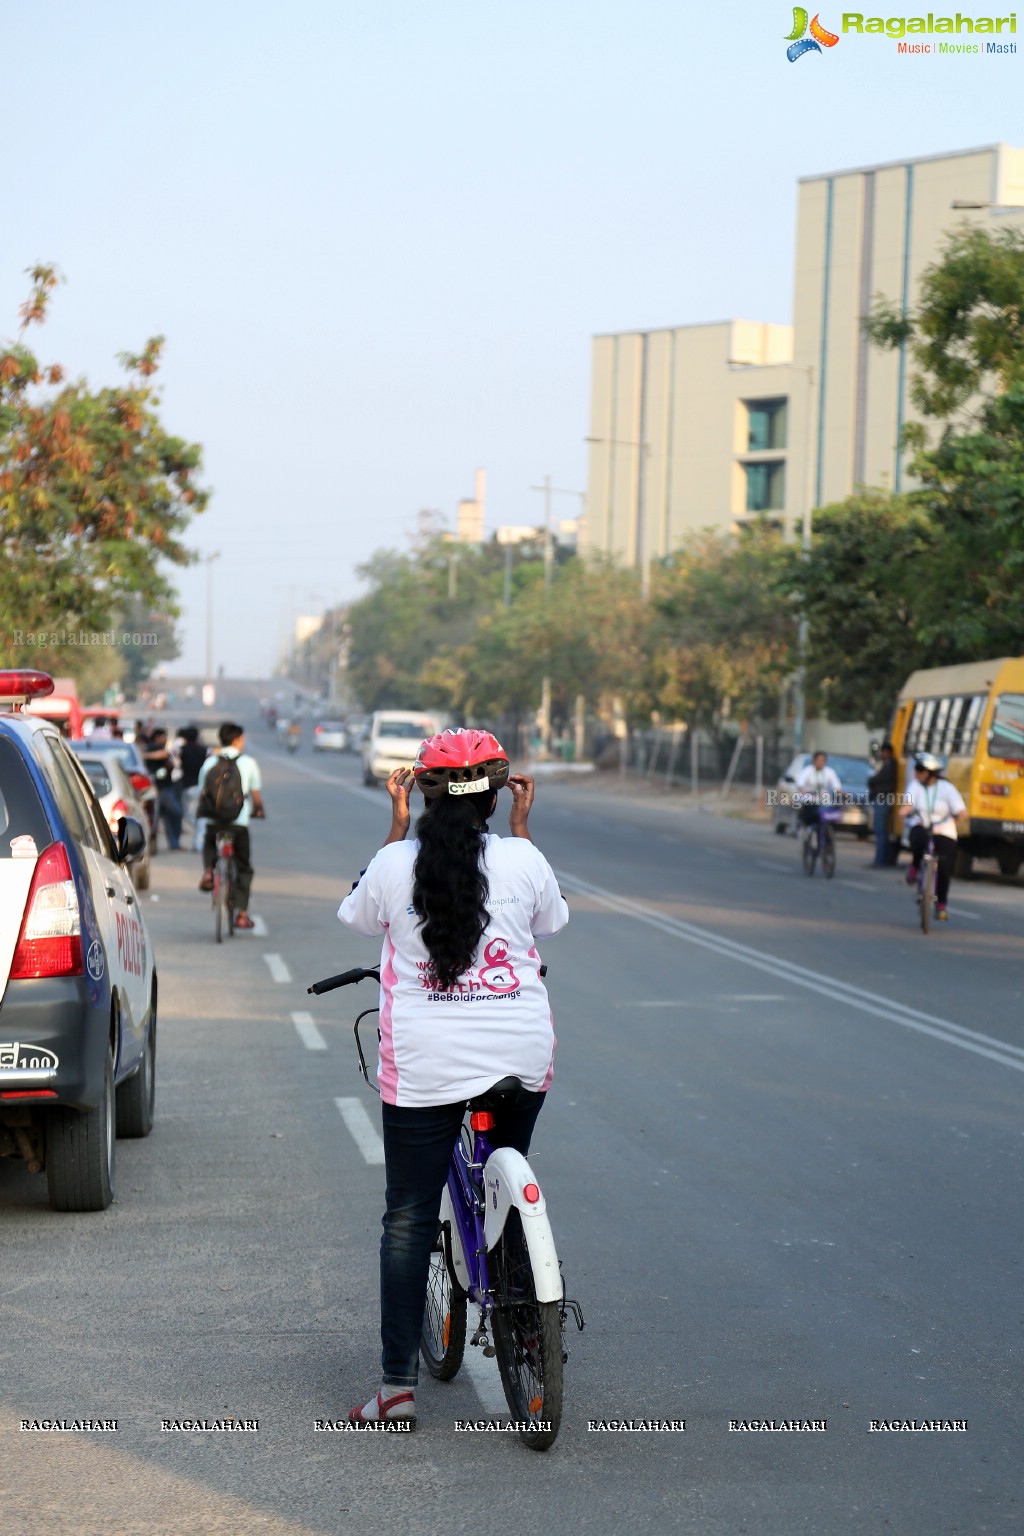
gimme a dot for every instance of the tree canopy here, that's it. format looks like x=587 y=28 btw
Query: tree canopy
x=95 y=494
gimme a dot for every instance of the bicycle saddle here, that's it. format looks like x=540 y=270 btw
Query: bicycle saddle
x=505 y=1091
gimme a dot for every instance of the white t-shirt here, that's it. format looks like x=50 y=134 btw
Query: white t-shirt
x=822 y=783
x=443 y=1047
x=935 y=805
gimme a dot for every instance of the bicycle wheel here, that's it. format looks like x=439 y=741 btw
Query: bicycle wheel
x=443 y=1335
x=828 y=852
x=218 y=909
x=810 y=850
x=927 y=892
x=527 y=1338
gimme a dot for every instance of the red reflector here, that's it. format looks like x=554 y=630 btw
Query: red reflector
x=531 y=1193
x=29 y=1093
x=482 y=1120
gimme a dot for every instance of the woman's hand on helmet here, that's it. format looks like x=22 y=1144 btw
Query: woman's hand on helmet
x=523 y=790
x=398 y=785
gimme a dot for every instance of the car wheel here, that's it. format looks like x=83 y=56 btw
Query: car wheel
x=80 y=1152
x=136 y=1097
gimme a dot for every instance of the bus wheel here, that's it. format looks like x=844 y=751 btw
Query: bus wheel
x=963 y=864
x=1010 y=862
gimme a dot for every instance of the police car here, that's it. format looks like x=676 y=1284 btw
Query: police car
x=78 y=987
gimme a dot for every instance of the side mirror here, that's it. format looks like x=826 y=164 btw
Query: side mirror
x=131 y=840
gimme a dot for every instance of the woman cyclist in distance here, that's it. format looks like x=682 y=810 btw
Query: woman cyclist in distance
x=462 y=1004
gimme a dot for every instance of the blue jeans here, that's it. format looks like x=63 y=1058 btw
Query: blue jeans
x=417 y=1150
x=882 y=855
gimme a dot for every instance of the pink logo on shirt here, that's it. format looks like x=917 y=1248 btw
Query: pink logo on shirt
x=497 y=975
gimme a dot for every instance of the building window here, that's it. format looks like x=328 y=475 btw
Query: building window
x=766 y=425
x=766 y=487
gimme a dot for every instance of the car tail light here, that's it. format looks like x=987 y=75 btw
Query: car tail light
x=117 y=810
x=319 y=730
x=50 y=942
x=995 y=789
x=141 y=782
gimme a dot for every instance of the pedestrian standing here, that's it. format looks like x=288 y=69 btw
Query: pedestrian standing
x=882 y=790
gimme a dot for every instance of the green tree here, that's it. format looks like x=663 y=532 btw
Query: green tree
x=866 y=589
x=722 y=641
x=94 y=493
x=966 y=342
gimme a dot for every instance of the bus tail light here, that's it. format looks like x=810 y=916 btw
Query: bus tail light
x=995 y=789
x=50 y=942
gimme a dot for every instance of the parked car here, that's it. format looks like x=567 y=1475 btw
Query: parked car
x=78 y=986
x=118 y=797
x=129 y=755
x=395 y=735
x=329 y=736
x=853 y=774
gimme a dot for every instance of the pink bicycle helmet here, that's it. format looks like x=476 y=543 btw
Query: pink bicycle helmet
x=460 y=763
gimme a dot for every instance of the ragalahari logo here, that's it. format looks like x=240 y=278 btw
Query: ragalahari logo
x=799 y=44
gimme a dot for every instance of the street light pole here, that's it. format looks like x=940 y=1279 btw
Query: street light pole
x=208 y=562
x=549 y=490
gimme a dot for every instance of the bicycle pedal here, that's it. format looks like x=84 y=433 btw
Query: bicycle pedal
x=489 y=1351
x=479 y=1338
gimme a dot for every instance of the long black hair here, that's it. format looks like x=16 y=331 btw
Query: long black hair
x=449 y=886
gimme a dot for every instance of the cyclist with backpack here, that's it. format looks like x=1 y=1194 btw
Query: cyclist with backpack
x=229 y=794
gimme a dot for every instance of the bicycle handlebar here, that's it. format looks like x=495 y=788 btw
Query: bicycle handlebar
x=345 y=979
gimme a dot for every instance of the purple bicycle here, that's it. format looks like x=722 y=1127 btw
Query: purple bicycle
x=494 y=1248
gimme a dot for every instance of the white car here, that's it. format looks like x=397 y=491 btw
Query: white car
x=393 y=741
x=329 y=736
x=117 y=797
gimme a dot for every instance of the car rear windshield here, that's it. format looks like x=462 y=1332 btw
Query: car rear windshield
x=21 y=810
x=125 y=751
x=1006 y=738
x=404 y=729
x=98 y=776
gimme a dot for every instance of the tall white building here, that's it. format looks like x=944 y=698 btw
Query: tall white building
x=699 y=426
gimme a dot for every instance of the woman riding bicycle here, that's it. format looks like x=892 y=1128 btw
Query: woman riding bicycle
x=462 y=1004
x=933 y=806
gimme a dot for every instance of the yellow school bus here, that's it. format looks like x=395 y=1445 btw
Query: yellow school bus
x=972 y=715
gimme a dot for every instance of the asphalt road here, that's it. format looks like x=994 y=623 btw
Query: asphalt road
x=782 y=1155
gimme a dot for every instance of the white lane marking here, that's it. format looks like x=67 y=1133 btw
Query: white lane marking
x=972 y=916
x=277 y=968
x=259 y=927
x=376 y=795
x=754 y=997
x=483 y=1373
x=856 y=885
x=308 y=1033
x=361 y=1130
x=814 y=981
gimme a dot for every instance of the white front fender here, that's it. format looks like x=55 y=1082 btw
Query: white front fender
x=505 y=1176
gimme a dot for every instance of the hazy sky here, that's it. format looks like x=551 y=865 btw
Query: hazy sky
x=379 y=237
